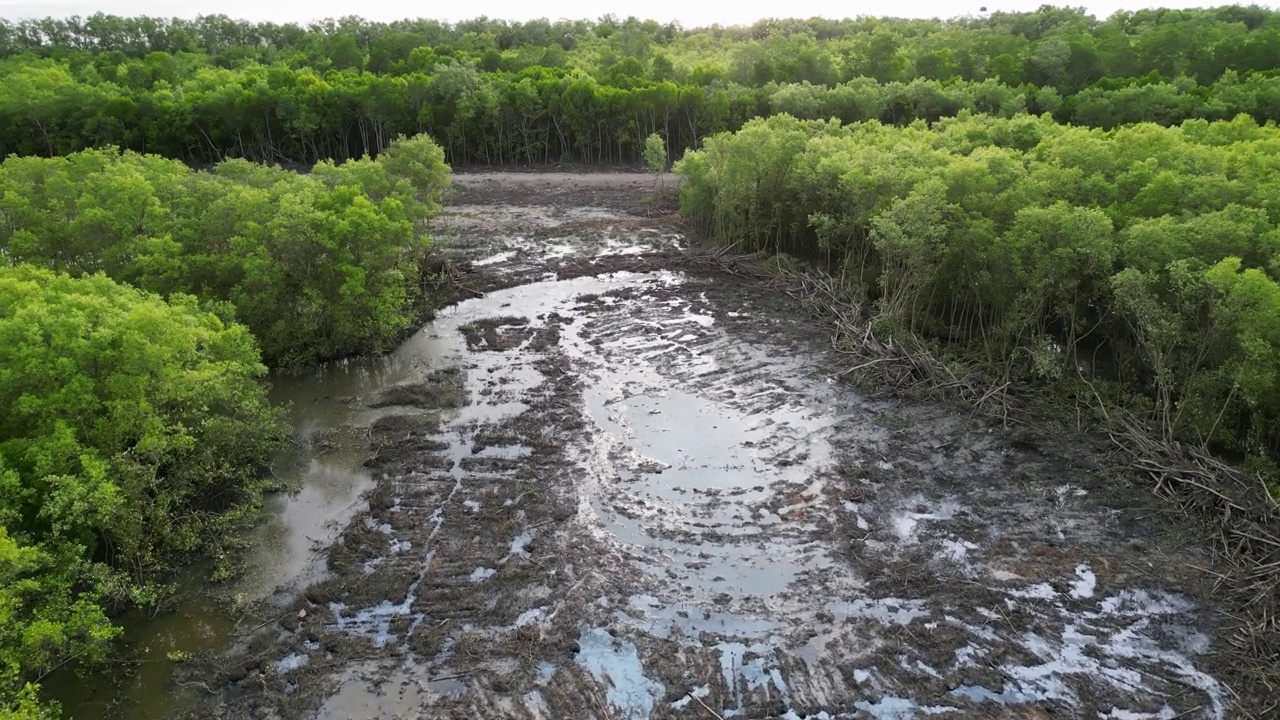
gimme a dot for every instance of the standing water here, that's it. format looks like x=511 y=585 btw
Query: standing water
x=327 y=406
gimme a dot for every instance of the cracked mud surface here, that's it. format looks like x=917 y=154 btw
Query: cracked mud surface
x=602 y=493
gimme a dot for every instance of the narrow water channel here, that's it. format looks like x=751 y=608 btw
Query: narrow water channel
x=326 y=479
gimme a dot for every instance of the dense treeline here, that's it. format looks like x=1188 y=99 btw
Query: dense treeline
x=536 y=92
x=1145 y=253
x=318 y=265
x=137 y=299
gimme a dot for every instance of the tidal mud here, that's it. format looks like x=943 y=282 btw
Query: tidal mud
x=609 y=487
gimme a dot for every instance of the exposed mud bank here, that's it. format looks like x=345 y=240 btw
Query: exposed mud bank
x=626 y=192
x=608 y=490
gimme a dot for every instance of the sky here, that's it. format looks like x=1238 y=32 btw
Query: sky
x=690 y=14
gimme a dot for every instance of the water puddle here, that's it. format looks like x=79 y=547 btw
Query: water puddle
x=616 y=664
x=371 y=690
x=712 y=481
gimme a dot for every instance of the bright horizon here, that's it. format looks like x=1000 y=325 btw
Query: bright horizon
x=686 y=13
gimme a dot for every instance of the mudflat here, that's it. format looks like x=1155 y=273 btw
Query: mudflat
x=619 y=484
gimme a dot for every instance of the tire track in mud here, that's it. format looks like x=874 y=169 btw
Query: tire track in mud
x=650 y=501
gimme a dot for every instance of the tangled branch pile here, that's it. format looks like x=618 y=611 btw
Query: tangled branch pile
x=1246 y=519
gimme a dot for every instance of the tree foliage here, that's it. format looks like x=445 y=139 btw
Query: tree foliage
x=132 y=432
x=494 y=92
x=318 y=266
x=1145 y=252
x=133 y=423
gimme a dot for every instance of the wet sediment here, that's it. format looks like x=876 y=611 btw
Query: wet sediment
x=643 y=495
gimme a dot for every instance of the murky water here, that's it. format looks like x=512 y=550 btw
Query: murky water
x=327 y=408
x=699 y=452
x=198 y=625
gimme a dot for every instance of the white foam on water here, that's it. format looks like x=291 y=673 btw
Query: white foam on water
x=528 y=616
x=1039 y=591
x=520 y=542
x=905 y=524
x=744 y=676
x=1112 y=645
x=698 y=692
x=896 y=708
x=536 y=704
x=1166 y=713
x=376 y=621
x=1138 y=603
x=1132 y=644
x=967 y=656
x=956 y=551
x=384 y=528
x=1062 y=491
x=495 y=259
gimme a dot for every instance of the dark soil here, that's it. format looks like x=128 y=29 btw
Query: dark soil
x=439 y=390
x=635 y=193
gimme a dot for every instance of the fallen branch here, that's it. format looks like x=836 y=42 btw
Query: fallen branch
x=1247 y=523
x=707 y=707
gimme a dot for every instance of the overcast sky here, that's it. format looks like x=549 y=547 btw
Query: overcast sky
x=687 y=12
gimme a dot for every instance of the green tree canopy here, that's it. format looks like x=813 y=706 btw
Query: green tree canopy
x=318 y=266
x=132 y=434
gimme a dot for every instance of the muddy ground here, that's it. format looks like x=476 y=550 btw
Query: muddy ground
x=616 y=489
